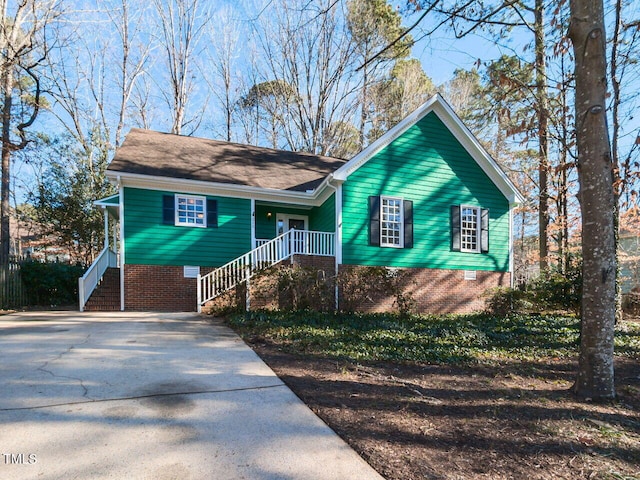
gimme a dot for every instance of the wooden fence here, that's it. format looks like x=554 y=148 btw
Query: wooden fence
x=12 y=291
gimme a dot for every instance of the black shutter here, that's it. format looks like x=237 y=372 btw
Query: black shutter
x=168 y=210
x=374 y=220
x=484 y=230
x=212 y=213
x=408 y=223
x=455 y=228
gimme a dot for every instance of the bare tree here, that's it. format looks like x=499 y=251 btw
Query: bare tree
x=394 y=97
x=308 y=49
x=595 y=379
x=182 y=24
x=372 y=25
x=224 y=37
x=134 y=55
x=24 y=47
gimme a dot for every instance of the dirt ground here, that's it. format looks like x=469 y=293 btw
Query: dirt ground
x=510 y=421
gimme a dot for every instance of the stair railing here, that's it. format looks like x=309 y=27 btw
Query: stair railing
x=91 y=278
x=241 y=269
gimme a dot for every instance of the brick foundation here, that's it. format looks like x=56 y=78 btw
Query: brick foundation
x=164 y=288
x=325 y=264
x=436 y=291
x=159 y=288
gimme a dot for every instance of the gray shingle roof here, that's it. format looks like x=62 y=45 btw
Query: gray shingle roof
x=165 y=155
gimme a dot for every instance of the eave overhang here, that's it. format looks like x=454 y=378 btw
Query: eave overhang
x=312 y=198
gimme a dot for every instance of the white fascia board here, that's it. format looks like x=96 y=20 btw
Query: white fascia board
x=151 y=182
x=478 y=153
x=104 y=202
x=365 y=155
x=445 y=113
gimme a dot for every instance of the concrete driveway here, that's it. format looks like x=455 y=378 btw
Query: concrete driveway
x=152 y=396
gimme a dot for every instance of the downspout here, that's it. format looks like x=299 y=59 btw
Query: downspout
x=122 y=252
x=511 y=262
x=337 y=190
x=247 y=301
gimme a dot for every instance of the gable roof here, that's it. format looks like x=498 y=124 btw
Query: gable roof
x=145 y=152
x=439 y=106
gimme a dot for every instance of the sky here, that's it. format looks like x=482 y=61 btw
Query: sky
x=440 y=53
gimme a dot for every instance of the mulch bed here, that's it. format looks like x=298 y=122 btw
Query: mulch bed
x=509 y=421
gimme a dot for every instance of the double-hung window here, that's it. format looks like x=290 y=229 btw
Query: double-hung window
x=390 y=222
x=391 y=226
x=191 y=211
x=469 y=229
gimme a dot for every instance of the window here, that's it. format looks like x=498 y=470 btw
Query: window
x=191 y=211
x=469 y=229
x=391 y=222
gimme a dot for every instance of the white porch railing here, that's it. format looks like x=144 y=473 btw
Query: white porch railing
x=266 y=254
x=89 y=281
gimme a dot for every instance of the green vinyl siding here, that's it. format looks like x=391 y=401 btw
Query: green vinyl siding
x=150 y=242
x=321 y=219
x=428 y=166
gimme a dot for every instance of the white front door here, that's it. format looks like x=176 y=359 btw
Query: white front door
x=285 y=222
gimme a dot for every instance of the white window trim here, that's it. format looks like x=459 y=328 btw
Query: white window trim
x=193 y=197
x=401 y=200
x=478 y=227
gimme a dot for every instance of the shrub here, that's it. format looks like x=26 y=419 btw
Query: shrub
x=556 y=291
x=631 y=303
x=501 y=301
x=51 y=283
x=303 y=288
x=225 y=304
x=292 y=288
x=550 y=291
x=366 y=285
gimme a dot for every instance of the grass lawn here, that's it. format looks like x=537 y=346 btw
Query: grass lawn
x=453 y=339
x=457 y=397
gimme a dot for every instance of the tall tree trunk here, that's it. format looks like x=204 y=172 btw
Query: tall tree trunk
x=5 y=187
x=595 y=378
x=543 y=143
x=364 y=107
x=620 y=177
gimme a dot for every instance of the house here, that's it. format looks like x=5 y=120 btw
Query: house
x=195 y=217
x=629 y=258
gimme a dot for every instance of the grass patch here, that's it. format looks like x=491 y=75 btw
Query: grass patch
x=425 y=338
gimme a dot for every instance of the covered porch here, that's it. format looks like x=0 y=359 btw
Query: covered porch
x=280 y=232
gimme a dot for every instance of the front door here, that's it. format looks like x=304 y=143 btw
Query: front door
x=285 y=222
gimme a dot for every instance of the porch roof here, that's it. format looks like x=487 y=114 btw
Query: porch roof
x=158 y=154
x=111 y=203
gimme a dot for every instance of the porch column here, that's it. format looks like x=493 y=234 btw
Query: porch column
x=115 y=237
x=253 y=223
x=106 y=227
